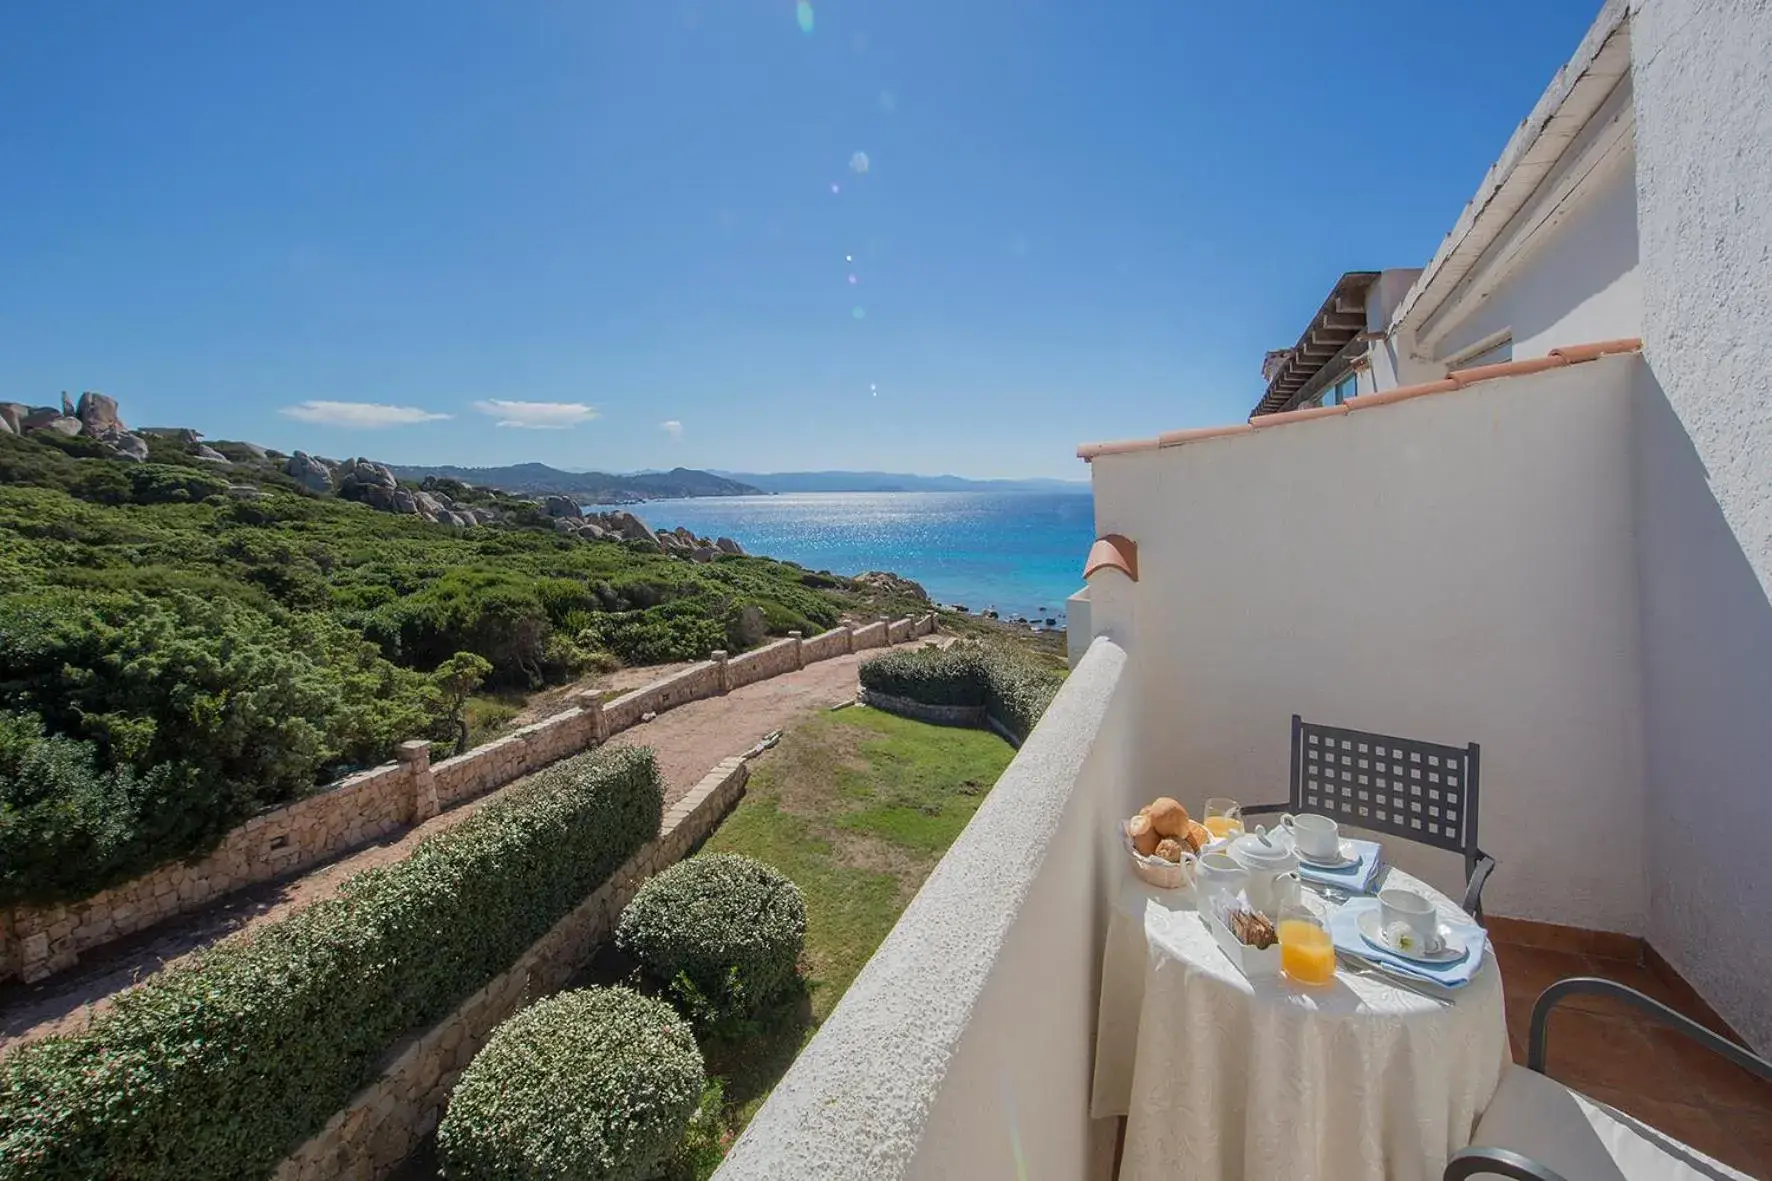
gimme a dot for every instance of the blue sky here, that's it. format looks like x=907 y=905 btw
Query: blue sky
x=565 y=224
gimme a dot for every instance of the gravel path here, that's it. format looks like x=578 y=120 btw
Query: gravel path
x=688 y=739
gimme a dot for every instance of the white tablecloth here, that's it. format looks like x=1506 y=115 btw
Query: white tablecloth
x=1219 y=1077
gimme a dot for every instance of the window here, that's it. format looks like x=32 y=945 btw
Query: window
x=1336 y=394
x=1489 y=354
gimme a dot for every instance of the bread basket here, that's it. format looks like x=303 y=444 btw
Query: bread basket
x=1154 y=871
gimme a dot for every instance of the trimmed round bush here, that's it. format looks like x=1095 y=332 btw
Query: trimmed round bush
x=721 y=932
x=592 y=1085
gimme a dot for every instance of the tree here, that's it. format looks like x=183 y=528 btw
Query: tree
x=456 y=679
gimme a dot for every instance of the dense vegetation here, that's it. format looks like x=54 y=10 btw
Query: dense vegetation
x=596 y=1084
x=185 y=642
x=1013 y=687
x=720 y=933
x=218 y=1067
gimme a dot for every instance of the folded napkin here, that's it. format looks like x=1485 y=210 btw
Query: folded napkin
x=1344 y=930
x=1356 y=877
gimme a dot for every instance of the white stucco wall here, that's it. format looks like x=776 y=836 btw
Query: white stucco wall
x=1703 y=73
x=964 y=1048
x=1579 y=284
x=1454 y=568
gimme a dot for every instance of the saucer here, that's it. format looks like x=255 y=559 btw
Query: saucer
x=1344 y=857
x=1452 y=948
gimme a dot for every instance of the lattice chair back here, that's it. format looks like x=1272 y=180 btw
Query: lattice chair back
x=1420 y=791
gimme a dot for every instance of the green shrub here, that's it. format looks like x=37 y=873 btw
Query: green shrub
x=67 y=826
x=219 y=1067
x=656 y=635
x=190 y=714
x=592 y=1085
x=1012 y=689
x=722 y=933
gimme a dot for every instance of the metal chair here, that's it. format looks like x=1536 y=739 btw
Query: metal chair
x=1555 y=1138
x=1420 y=791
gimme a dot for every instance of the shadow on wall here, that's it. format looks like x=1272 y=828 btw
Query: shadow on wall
x=1707 y=654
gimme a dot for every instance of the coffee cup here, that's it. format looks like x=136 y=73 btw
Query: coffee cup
x=1401 y=910
x=1315 y=836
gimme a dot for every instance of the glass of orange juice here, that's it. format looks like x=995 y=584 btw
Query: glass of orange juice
x=1224 y=818
x=1307 y=955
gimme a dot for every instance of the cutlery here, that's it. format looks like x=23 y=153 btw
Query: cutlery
x=1361 y=966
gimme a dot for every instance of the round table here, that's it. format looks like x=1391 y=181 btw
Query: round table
x=1221 y=1077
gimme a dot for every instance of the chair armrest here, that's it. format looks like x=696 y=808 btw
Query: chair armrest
x=1473 y=889
x=1548 y=999
x=1263 y=809
x=1496 y=1162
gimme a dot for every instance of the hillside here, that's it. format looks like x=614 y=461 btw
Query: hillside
x=193 y=631
x=587 y=487
x=894 y=482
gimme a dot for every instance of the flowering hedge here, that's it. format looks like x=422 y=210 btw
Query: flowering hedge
x=721 y=932
x=593 y=1085
x=220 y=1067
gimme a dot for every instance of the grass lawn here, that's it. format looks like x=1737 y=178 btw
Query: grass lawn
x=856 y=807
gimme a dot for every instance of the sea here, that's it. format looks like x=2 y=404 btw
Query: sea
x=1018 y=552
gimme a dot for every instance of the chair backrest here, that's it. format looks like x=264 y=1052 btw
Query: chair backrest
x=1420 y=791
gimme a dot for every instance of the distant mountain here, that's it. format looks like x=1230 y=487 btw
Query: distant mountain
x=599 y=487
x=895 y=482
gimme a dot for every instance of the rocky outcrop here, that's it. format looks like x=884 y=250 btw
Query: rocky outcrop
x=98 y=416
x=62 y=424
x=13 y=415
x=365 y=473
x=67 y=406
x=178 y=434
x=6 y=427
x=562 y=506
x=208 y=454
x=728 y=546
x=132 y=448
x=313 y=474
x=891 y=584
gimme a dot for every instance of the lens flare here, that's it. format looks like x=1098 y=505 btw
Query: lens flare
x=853 y=280
x=803 y=15
x=858 y=163
x=859 y=312
x=835 y=188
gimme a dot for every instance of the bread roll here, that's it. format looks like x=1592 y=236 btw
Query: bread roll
x=1170 y=850
x=1144 y=837
x=1198 y=835
x=1168 y=817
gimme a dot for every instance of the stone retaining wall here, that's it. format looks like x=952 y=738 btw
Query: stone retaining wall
x=898 y=631
x=825 y=645
x=38 y=941
x=872 y=635
x=972 y=716
x=692 y=684
x=771 y=660
x=385 y=1121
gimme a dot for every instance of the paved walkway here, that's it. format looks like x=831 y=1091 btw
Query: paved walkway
x=688 y=740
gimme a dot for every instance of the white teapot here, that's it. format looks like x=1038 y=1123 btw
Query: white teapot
x=1272 y=864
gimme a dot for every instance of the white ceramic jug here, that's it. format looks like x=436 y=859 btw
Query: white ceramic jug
x=1272 y=865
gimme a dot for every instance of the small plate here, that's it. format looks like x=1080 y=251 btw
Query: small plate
x=1344 y=857
x=1452 y=948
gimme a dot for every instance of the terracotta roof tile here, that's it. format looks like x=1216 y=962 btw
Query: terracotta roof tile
x=1600 y=348
x=1401 y=393
x=1267 y=420
x=1456 y=380
x=1114 y=551
x=1507 y=369
x=1176 y=438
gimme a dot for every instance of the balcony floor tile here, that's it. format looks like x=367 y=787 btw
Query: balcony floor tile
x=1607 y=1051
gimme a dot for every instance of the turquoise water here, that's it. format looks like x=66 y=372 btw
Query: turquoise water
x=1019 y=552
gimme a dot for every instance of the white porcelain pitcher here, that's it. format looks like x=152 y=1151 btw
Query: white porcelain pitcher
x=1272 y=865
